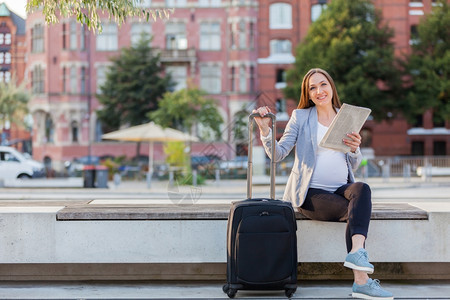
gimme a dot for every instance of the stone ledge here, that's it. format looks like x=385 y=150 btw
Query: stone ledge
x=95 y=212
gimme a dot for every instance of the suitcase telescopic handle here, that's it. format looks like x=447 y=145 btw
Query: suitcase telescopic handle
x=250 y=154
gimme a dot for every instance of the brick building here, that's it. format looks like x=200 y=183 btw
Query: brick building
x=12 y=65
x=236 y=50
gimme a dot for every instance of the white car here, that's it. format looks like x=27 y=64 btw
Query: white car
x=14 y=164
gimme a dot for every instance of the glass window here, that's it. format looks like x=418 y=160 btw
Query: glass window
x=2 y=57
x=281 y=75
x=242 y=35
x=316 y=11
x=73 y=79
x=252 y=36
x=232 y=79
x=143 y=3
x=2 y=38
x=206 y=3
x=64 y=36
x=37 y=38
x=8 y=38
x=64 y=78
x=7 y=76
x=280 y=16
x=73 y=35
x=74 y=127
x=242 y=79
x=139 y=29
x=280 y=105
x=101 y=77
x=252 y=79
x=176 y=36
x=413 y=35
x=2 y=77
x=210 y=36
x=83 y=80
x=83 y=37
x=179 y=76
x=210 y=79
x=439 y=148
x=418 y=148
x=37 y=80
x=7 y=58
x=280 y=47
x=108 y=39
x=49 y=129
x=176 y=3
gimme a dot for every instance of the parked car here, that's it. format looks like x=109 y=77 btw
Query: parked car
x=14 y=164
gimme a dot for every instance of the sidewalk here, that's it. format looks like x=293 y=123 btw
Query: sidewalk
x=199 y=290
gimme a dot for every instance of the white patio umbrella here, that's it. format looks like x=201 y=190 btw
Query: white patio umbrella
x=149 y=132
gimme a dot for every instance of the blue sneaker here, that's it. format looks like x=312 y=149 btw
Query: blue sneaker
x=371 y=290
x=359 y=261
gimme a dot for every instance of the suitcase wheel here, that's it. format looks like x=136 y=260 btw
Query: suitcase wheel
x=290 y=292
x=229 y=291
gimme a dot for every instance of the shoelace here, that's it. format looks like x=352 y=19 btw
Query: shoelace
x=375 y=284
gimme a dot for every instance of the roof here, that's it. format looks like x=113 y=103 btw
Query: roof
x=17 y=20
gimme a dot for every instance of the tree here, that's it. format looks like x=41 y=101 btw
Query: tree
x=351 y=43
x=133 y=86
x=13 y=103
x=429 y=65
x=187 y=108
x=87 y=11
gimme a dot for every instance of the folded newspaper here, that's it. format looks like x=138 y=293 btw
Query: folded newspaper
x=349 y=119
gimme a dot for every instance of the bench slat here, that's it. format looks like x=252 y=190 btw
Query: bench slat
x=380 y=211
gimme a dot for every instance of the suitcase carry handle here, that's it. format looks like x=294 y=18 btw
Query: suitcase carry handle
x=250 y=154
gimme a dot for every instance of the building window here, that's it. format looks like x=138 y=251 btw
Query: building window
x=242 y=35
x=2 y=57
x=251 y=39
x=5 y=76
x=280 y=16
x=2 y=38
x=83 y=37
x=74 y=129
x=413 y=35
x=64 y=78
x=83 y=80
x=252 y=79
x=242 y=79
x=73 y=79
x=210 y=79
x=8 y=39
x=138 y=30
x=232 y=79
x=439 y=148
x=418 y=148
x=49 y=129
x=101 y=78
x=143 y=3
x=37 y=38
x=281 y=75
x=317 y=10
x=210 y=36
x=366 y=135
x=73 y=35
x=280 y=106
x=280 y=47
x=176 y=36
x=64 y=36
x=7 y=58
x=175 y=3
x=108 y=39
x=232 y=32
x=211 y=3
x=179 y=76
x=419 y=121
x=415 y=3
x=37 y=80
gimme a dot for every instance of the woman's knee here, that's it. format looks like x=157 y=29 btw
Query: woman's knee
x=362 y=188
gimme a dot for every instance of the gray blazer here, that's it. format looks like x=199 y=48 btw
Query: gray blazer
x=301 y=131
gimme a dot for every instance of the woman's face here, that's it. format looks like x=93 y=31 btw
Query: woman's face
x=320 y=91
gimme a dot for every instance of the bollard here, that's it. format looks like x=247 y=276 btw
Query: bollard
x=217 y=176
x=171 y=178
x=194 y=177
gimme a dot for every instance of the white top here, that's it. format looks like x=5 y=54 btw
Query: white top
x=330 y=171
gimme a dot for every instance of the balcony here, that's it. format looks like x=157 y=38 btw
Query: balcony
x=178 y=55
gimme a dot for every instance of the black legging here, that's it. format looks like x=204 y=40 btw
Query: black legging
x=351 y=202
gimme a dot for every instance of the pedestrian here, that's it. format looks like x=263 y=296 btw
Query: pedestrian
x=321 y=185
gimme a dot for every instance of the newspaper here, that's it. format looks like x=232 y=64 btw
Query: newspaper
x=349 y=119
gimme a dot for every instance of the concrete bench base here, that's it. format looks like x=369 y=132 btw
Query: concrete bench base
x=95 y=242
x=206 y=271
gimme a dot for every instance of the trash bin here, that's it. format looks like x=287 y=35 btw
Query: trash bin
x=89 y=176
x=101 y=176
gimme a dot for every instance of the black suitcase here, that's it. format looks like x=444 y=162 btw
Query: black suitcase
x=261 y=238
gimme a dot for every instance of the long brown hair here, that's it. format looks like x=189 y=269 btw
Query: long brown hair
x=305 y=102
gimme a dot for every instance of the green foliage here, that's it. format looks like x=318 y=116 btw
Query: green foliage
x=133 y=86
x=351 y=43
x=175 y=155
x=429 y=65
x=188 y=107
x=13 y=103
x=86 y=11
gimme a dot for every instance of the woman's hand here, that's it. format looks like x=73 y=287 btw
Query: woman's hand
x=354 y=142
x=263 y=123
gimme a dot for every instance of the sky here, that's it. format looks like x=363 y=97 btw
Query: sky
x=17 y=6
